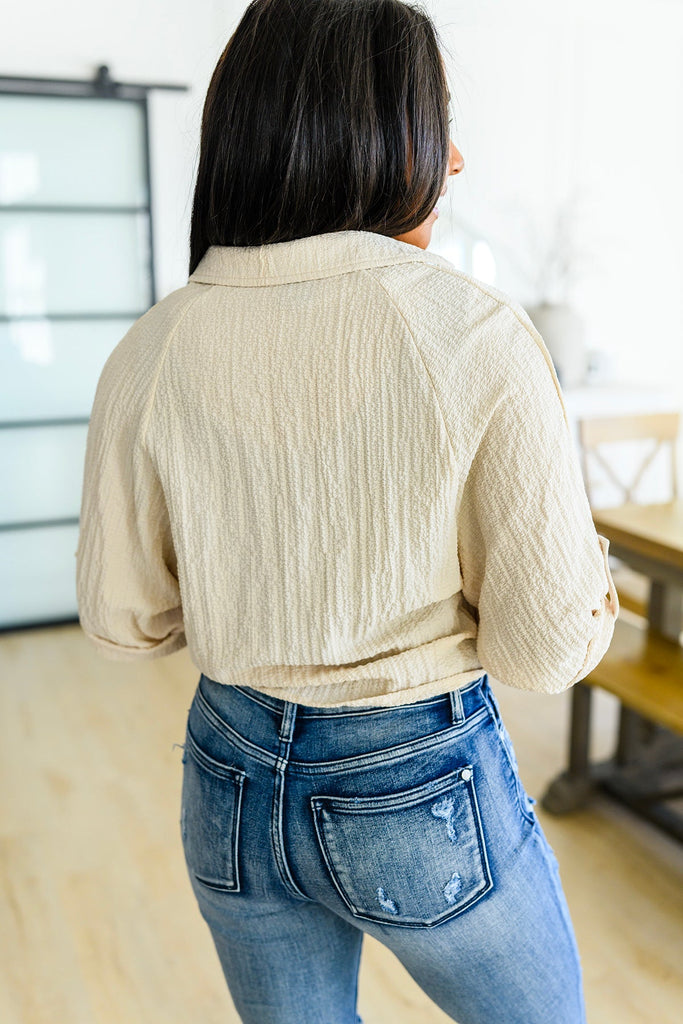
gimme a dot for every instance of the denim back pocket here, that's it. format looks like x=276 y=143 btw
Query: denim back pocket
x=211 y=805
x=413 y=858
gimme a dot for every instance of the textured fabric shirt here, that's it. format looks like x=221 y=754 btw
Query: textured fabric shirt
x=340 y=471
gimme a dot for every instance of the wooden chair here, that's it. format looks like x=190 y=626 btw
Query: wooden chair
x=660 y=428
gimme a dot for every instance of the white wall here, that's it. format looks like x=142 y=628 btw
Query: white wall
x=548 y=98
x=587 y=97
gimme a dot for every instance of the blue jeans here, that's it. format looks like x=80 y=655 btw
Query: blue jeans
x=305 y=827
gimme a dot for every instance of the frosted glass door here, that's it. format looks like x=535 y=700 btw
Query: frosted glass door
x=75 y=273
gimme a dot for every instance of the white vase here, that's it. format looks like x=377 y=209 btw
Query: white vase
x=564 y=332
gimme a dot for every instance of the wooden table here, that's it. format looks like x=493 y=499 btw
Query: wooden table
x=647 y=767
x=649 y=538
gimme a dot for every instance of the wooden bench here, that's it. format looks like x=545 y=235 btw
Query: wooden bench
x=644 y=670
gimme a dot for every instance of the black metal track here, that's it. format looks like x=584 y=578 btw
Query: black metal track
x=102 y=85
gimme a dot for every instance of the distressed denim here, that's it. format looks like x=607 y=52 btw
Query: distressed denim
x=304 y=828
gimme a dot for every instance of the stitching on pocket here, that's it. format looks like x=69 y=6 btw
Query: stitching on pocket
x=211 y=843
x=449 y=869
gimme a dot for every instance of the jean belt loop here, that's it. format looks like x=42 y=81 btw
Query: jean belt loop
x=287 y=722
x=457 y=710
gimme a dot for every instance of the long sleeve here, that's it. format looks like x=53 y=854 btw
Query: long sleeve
x=126 y=568
x=532 y=563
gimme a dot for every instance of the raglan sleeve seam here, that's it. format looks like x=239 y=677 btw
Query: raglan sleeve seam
x=411 y=334
x=162 y=360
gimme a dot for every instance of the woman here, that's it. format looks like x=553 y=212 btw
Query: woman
x=341 y=471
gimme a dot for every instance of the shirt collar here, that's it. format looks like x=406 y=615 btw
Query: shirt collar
x=304 y=259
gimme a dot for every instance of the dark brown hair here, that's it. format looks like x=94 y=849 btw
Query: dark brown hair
x=321 y=115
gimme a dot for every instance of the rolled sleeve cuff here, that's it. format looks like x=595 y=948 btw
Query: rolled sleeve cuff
x=120 y=652
x=605 y=617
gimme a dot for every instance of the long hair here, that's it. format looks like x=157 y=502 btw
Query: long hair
x=321 y=115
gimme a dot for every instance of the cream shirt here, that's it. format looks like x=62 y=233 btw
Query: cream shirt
x=340 y=471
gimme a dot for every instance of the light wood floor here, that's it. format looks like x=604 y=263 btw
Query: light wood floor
x=98 y=924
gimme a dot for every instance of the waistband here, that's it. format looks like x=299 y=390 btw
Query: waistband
x=463 y=702
x=312 y=739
